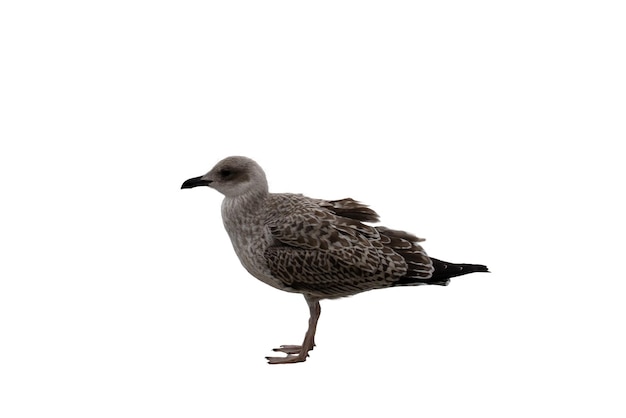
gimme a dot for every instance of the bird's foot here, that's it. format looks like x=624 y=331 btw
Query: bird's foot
x=290 y=358
x=295 y=354
x=289 y=349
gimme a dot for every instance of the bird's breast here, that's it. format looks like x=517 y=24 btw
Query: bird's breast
x=250 y=238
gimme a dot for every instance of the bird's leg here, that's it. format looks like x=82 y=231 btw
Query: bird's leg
x=299 y=353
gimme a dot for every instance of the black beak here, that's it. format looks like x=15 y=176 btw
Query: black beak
x=195 y=182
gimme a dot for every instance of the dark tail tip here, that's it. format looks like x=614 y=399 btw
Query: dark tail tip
x=477 y=268
x=444 y=270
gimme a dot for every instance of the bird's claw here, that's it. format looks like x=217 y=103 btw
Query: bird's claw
x=295 y=354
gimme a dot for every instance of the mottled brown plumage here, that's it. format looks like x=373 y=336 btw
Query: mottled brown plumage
x=320 y=248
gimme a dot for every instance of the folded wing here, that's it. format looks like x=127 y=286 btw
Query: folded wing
x=323 y=248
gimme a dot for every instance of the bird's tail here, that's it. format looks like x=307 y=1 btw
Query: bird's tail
x=442 y=273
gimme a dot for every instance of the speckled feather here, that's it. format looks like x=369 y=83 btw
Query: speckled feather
x=322 y=247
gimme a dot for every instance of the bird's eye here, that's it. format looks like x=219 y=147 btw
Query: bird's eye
x=225 y=172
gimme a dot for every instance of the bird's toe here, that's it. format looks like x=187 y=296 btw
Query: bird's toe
x=289 y=349
x=287 y=360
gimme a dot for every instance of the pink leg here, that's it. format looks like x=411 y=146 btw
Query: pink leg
x=299 y=353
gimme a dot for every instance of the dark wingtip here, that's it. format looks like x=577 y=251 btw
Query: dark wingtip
x=445 y=270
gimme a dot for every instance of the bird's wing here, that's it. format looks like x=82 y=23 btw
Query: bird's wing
x=350 y=208
x=315 y=250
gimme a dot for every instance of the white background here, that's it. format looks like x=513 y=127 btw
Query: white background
x=490 y=128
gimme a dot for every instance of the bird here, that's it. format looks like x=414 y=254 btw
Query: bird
x=322 y=249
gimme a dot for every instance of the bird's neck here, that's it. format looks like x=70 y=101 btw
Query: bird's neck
x=247 y=204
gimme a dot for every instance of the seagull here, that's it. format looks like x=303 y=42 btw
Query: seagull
x=323 y=249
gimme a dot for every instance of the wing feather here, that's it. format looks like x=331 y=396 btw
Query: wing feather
x=318 y=250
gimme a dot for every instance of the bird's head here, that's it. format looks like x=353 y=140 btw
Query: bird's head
x=233 y=176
